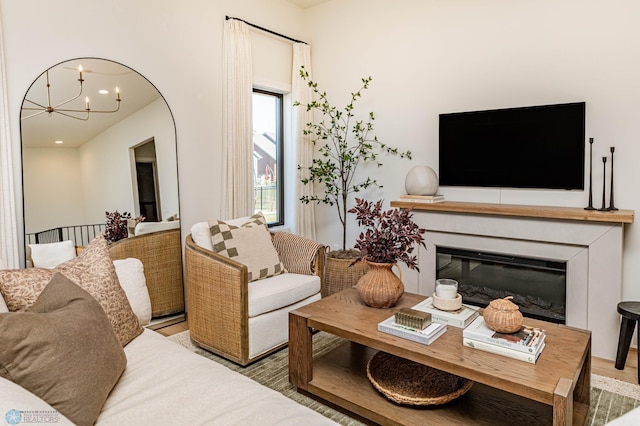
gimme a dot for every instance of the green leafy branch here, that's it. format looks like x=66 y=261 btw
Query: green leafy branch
x=345 y=143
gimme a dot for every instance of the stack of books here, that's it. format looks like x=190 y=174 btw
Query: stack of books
x=525 y=345
x=459 y=318
x=438 y=198
x=425 y=336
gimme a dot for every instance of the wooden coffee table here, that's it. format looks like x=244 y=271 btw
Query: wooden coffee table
x=555 y=390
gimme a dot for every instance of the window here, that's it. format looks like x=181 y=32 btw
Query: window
x=268 y=185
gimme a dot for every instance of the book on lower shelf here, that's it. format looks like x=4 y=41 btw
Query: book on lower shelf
x=426 y=336
x=459 y=318
x=531 y=358
x=438 y=198
x=527 y=339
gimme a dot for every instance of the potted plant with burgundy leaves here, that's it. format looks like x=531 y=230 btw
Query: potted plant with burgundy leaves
x=116 y=226
x=390 y=237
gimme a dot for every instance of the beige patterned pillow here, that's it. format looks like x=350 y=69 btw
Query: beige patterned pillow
x=249 y=244
x=92 y=270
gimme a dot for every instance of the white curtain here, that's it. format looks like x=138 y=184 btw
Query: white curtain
x=9 y=253
x=238 y=198
x=301 y=92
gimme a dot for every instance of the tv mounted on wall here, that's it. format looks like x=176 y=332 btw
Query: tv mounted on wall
x=529 y=147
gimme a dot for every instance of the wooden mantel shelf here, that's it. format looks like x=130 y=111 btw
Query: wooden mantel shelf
x=544 y=212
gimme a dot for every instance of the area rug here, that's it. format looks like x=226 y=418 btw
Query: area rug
x=610 y=398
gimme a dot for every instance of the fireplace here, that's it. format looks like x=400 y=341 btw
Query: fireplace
x=590 y=243
x=538 y=286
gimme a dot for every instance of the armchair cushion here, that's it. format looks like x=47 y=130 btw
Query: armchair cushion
x=280 y=291
x=249 y=244
x=150 y=227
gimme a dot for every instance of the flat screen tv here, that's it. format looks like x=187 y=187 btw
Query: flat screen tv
x=529 y=147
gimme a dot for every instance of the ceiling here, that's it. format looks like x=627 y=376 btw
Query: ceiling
x=42 y=130
x=307 y=3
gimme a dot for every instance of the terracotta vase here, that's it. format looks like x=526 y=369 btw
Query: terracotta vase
x=380 y=287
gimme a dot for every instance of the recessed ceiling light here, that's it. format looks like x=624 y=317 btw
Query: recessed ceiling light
x=103 y=92
x=59 y=142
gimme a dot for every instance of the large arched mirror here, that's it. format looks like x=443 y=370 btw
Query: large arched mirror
x=97 y=137
x=78 y=165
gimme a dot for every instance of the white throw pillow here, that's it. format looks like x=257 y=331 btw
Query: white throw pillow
x=201 y=235
x=51 y=255
x=130 y=273
x=3 y=305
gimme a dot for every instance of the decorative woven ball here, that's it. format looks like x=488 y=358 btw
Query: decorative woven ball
x=503 y=316
x=421 y=180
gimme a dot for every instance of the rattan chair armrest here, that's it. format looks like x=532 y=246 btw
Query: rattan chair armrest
x=208 y=255
x=161 y=255
x=318 y=263
x=219 y=268
x=217 y=299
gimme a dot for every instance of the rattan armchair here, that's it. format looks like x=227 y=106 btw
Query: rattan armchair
x=161 y=255
x=219 y=296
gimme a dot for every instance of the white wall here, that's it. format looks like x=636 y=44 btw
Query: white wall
x=54 y=198
x=67 y=187
x=429 y=56
x=107 y=174
x=425 y=56
x=177 y=46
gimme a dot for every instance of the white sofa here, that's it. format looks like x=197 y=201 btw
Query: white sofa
x=163 y=383
x=166 y=384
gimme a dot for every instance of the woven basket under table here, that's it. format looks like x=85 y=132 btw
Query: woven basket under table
x=410 y=383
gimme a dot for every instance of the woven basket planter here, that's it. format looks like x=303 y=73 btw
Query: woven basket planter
x=338 y=275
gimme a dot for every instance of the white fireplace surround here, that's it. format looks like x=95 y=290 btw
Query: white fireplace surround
x=592 y=251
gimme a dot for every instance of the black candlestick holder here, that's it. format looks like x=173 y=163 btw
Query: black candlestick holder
x=612 y=207
x=590 y=206
x=604 y=186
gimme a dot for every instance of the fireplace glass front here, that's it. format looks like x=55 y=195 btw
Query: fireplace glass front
x=538 y=286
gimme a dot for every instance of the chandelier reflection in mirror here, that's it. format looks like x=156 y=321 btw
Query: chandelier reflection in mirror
x=78 y=114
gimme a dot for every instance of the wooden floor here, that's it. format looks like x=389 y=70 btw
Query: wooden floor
x=604 y=367
x=599 y=366
x=171 y=328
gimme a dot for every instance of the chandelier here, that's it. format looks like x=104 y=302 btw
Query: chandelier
x=78 y=114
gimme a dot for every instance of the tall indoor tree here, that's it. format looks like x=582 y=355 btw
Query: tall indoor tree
x=344 y=143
